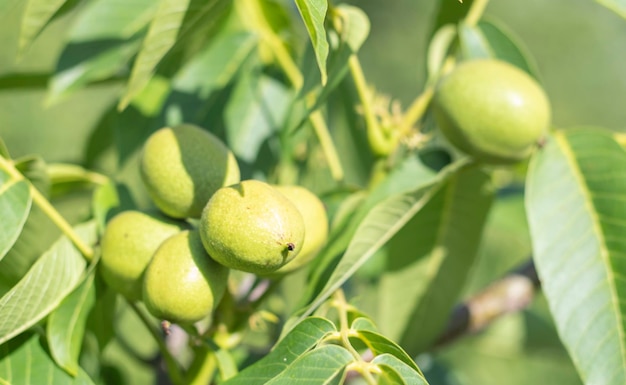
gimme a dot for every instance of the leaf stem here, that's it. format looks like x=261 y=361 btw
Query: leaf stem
x=50 y=211
x=291 y=70
x=172 y=366
x=380 y=143
x=475 y=12
x=342 y=307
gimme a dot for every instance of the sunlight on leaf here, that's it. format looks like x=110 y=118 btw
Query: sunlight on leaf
x=297 y=342
x=25 y=360
x=66 y=325
x=161 y=36
x=430 y=259
x=15 y=202
x=313 y=13
x=617 y=6
x=379 y=225
x=575 y=203
x=40 y=291
x=406 y=372
x=318 y=366
x=36 y=16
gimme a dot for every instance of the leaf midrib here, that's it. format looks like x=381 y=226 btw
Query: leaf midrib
x=604 y=251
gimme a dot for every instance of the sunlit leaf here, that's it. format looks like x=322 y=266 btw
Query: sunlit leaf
x=101 y=43
x=318 y=366
x=25 y=360
x=490 y=40
x=409 y=375
x=575 y=204
x=378 y=226
x=617 y=6
x=313 y=13
x=36 y=16
x=297 y=342
x=161 y=36
x=380 y=344
x=66 y=325
x=217 y=64
x=439 y=48
x=15 y=201
x=430 y=258
x=412 y=174
x=46 y=284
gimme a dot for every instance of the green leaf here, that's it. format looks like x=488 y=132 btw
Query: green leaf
x=215 y=66
x=439 y=48
x=378 y=226
x=4 y=151
x=102 y=316
x=255 y=111
x=575 y=205
x=617 y=6
x=490 y=40
x=69 y=177
x=25 y=360
x=313 y=13
x=316 y=367
x=15 y=202
x=45 y=285
x=162 y=35
x=355 y=29
x=66 y=325
x=363 y=323
x=101 y=43
x=430 y=259
x=411 y=175
x=36 y=16
x=390 y=363
x=380 y=344
x=304 y=336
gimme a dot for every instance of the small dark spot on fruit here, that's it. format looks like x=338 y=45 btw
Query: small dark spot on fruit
x=291 y=246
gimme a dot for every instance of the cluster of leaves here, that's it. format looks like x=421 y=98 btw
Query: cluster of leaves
x=407 y=211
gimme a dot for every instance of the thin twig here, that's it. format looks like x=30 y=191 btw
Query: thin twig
x=511 y=293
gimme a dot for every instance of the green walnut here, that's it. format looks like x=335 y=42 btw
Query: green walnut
x=183 y=166
x=251 y=227
x=182 y=283
x=492 y=111
x=315 y=226
x=129 y=241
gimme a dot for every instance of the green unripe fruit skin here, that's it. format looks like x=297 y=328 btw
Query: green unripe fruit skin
x=315 y=226
x=492 y=111
x=251 y=227
x=182 y=283
x=129 y=241
x=183 y=166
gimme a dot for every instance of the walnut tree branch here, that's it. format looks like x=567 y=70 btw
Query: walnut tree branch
x=511 y=293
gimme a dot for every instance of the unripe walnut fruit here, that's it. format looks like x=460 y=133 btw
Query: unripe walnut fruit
x=252 y=227
x=129 y=241
x=183 y=166
x=315 y=226
x=182 y=283
x=491 y=110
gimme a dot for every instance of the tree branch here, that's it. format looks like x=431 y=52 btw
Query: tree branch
x=511 y=293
